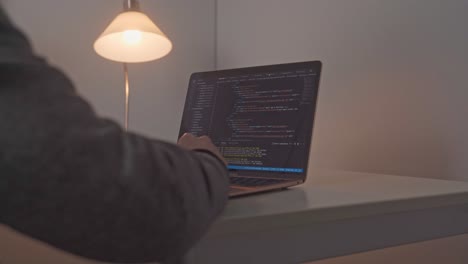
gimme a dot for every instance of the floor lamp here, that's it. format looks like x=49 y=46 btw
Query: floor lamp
x=132 y=38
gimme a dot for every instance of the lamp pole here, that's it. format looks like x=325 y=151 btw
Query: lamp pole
x=131 y=5
x=128 y=5
x=127 y=96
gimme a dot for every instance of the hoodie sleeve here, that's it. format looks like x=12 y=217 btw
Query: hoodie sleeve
x=82 y=184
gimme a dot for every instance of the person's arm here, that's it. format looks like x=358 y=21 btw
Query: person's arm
x=83 y=185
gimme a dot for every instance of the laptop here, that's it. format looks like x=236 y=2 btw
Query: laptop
x=260 y=118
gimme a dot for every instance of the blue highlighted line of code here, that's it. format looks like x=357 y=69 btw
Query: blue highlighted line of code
x=293 y=170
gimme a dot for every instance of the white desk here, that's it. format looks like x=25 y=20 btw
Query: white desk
x=335 y=213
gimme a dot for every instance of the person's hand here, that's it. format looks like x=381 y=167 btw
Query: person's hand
x=191 y=142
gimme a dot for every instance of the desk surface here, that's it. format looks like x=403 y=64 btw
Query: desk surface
x=334 y=195
x=374 y=207
x=335 y=213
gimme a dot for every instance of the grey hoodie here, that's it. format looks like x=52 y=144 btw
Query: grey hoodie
x=79 y=183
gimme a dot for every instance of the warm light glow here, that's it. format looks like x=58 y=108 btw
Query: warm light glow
x=132 y=36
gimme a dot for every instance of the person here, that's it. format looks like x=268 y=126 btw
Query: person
x=81 y=184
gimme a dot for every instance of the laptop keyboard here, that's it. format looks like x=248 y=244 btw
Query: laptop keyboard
x=253 y=182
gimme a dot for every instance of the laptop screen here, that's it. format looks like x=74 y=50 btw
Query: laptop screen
x=260 y=118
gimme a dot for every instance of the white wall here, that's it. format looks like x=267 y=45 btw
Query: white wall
x=395 y=78
x=394 y=83
x=64 y=31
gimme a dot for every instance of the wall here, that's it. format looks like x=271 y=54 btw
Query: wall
x=393 y=87
x=394 y=84
x=64 y=31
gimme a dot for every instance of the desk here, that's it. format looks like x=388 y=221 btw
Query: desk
x=335 y=213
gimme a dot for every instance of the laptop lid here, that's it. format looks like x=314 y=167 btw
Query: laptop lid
x=260 y=118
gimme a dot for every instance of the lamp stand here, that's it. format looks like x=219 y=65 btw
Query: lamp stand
x=129 y=5
x=127 y=96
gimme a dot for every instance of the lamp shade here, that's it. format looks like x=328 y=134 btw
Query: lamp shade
x=132 y=37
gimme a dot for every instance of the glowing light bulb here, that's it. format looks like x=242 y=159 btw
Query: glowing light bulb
x=132 y=36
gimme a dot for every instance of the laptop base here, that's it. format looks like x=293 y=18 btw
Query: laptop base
x=237 y=191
